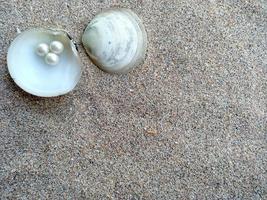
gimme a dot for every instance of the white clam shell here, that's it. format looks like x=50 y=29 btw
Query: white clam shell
x=116 y=40
x=30 y=71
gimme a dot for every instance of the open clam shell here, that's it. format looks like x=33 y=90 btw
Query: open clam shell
x=43 y=73
x=116 y=40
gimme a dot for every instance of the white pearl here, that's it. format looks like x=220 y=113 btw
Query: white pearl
x=56 y=47
x=52 y=59
x=42 y=49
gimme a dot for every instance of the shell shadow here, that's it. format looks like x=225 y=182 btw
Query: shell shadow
x=43 y=103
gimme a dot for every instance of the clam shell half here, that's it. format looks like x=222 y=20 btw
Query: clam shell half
x=116 y=40
x=30 y=71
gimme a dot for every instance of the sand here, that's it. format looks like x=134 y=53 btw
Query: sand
x=190 y=123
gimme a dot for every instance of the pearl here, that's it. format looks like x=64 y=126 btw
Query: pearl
x=52 y=59
x=56 y=47
x=42 y=49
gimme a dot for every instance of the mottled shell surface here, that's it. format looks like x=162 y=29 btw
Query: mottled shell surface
x=116 y=40
x=30 y=71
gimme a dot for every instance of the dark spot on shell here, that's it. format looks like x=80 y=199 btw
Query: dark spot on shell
x=84 y=28
x=76 y=46
x=69 y=36
x=71 y=39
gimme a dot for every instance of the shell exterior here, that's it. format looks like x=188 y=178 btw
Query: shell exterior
x=116 y=40
x=30 y=71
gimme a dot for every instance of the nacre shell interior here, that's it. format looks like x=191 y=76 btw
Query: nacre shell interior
x=32 y=74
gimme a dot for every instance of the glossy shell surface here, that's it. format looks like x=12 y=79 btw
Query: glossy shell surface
x=35 y=76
